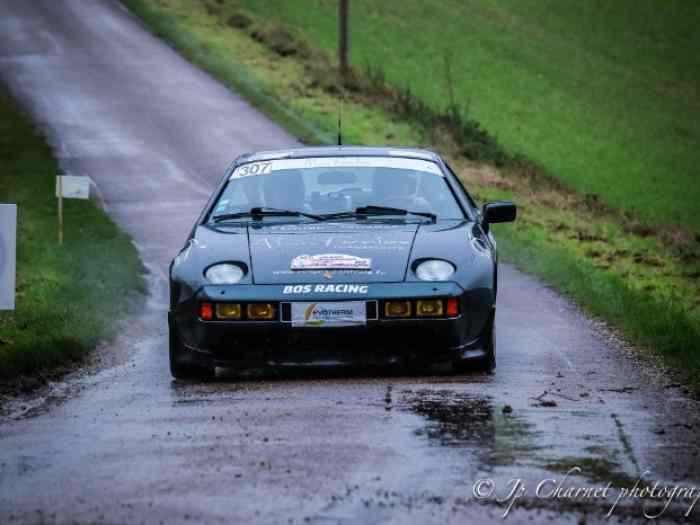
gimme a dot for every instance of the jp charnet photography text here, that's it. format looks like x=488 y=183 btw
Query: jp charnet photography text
x=653 y=499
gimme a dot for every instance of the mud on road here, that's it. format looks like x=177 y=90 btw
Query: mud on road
x=127 y=444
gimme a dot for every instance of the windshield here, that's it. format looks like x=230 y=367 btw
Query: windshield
x=339 y=184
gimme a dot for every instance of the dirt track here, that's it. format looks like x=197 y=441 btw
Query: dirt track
x=128 y=445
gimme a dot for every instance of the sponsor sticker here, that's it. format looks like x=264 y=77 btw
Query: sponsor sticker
x=331 y=261
x=326 y=314
x=359 y=289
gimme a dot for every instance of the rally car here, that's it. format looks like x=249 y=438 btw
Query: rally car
x=335 y=256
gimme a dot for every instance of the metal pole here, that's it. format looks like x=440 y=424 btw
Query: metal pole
x=343 y=43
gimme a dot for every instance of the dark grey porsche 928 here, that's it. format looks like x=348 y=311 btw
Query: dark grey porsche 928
x=336 y=255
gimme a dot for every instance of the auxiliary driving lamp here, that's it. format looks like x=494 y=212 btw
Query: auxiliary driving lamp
x=429 y=308
x=228 y=311
x=261 y=311
x=397 y=308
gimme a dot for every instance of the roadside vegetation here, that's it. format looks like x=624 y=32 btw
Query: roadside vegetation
x=634 y=262
x=604 y=95
x=69 y=297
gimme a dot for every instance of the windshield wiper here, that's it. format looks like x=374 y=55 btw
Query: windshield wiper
x=364 y=211
x=259 y=213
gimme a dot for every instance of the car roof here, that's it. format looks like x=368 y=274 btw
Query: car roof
x=339 y=151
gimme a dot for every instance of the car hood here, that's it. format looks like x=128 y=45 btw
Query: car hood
x=384 y=248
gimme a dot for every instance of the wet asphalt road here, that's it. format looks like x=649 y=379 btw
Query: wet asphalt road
x=126 y=444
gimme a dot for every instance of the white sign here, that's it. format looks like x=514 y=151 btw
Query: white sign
x=8 y=250
x=73 y=187
x=331 y=261
x=351 y=313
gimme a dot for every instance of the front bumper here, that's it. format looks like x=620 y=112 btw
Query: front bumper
x=380 y=341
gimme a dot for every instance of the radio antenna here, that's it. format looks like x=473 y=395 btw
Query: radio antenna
x=340 y=121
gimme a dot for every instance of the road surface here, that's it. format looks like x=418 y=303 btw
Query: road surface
x=127 y=444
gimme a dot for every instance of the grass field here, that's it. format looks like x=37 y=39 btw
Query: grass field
x=604 y=95
x=68 y=297
x=643 y=281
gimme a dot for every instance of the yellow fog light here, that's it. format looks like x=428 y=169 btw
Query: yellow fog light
x=261 y=311
x=228 y=311
x=429 y=308
x=397 y=308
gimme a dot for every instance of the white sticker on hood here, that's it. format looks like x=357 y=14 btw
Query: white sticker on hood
x=331 y=261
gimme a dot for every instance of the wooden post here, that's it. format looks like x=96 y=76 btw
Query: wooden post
x=343 y=43
x=60 y=210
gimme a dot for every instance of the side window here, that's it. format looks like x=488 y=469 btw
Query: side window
x=240 y=195
x=466 y=193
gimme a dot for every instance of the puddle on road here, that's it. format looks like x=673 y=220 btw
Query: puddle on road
x=458 y=419
x=508 y=447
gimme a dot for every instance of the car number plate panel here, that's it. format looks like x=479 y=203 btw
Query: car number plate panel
x=323 y=314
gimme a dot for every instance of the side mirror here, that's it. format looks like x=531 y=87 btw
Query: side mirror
x=500 y=211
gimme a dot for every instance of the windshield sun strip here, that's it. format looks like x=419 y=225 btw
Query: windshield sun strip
x=265 y=167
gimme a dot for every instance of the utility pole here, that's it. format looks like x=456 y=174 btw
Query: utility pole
x=343 y=43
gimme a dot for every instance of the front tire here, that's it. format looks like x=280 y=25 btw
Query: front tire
x=488 y=362
x=181 y=365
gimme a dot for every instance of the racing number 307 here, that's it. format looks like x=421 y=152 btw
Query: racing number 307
x=256 y=168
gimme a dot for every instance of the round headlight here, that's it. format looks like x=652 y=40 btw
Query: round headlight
x=224 y=273
x=434 y=270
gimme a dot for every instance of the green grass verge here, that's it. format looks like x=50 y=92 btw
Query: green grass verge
x=604 y=95
x=68 y=297
x=663 y=325
x=645 y=283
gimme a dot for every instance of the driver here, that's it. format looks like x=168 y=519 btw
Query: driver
x=285 y=190
x=395 y=188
